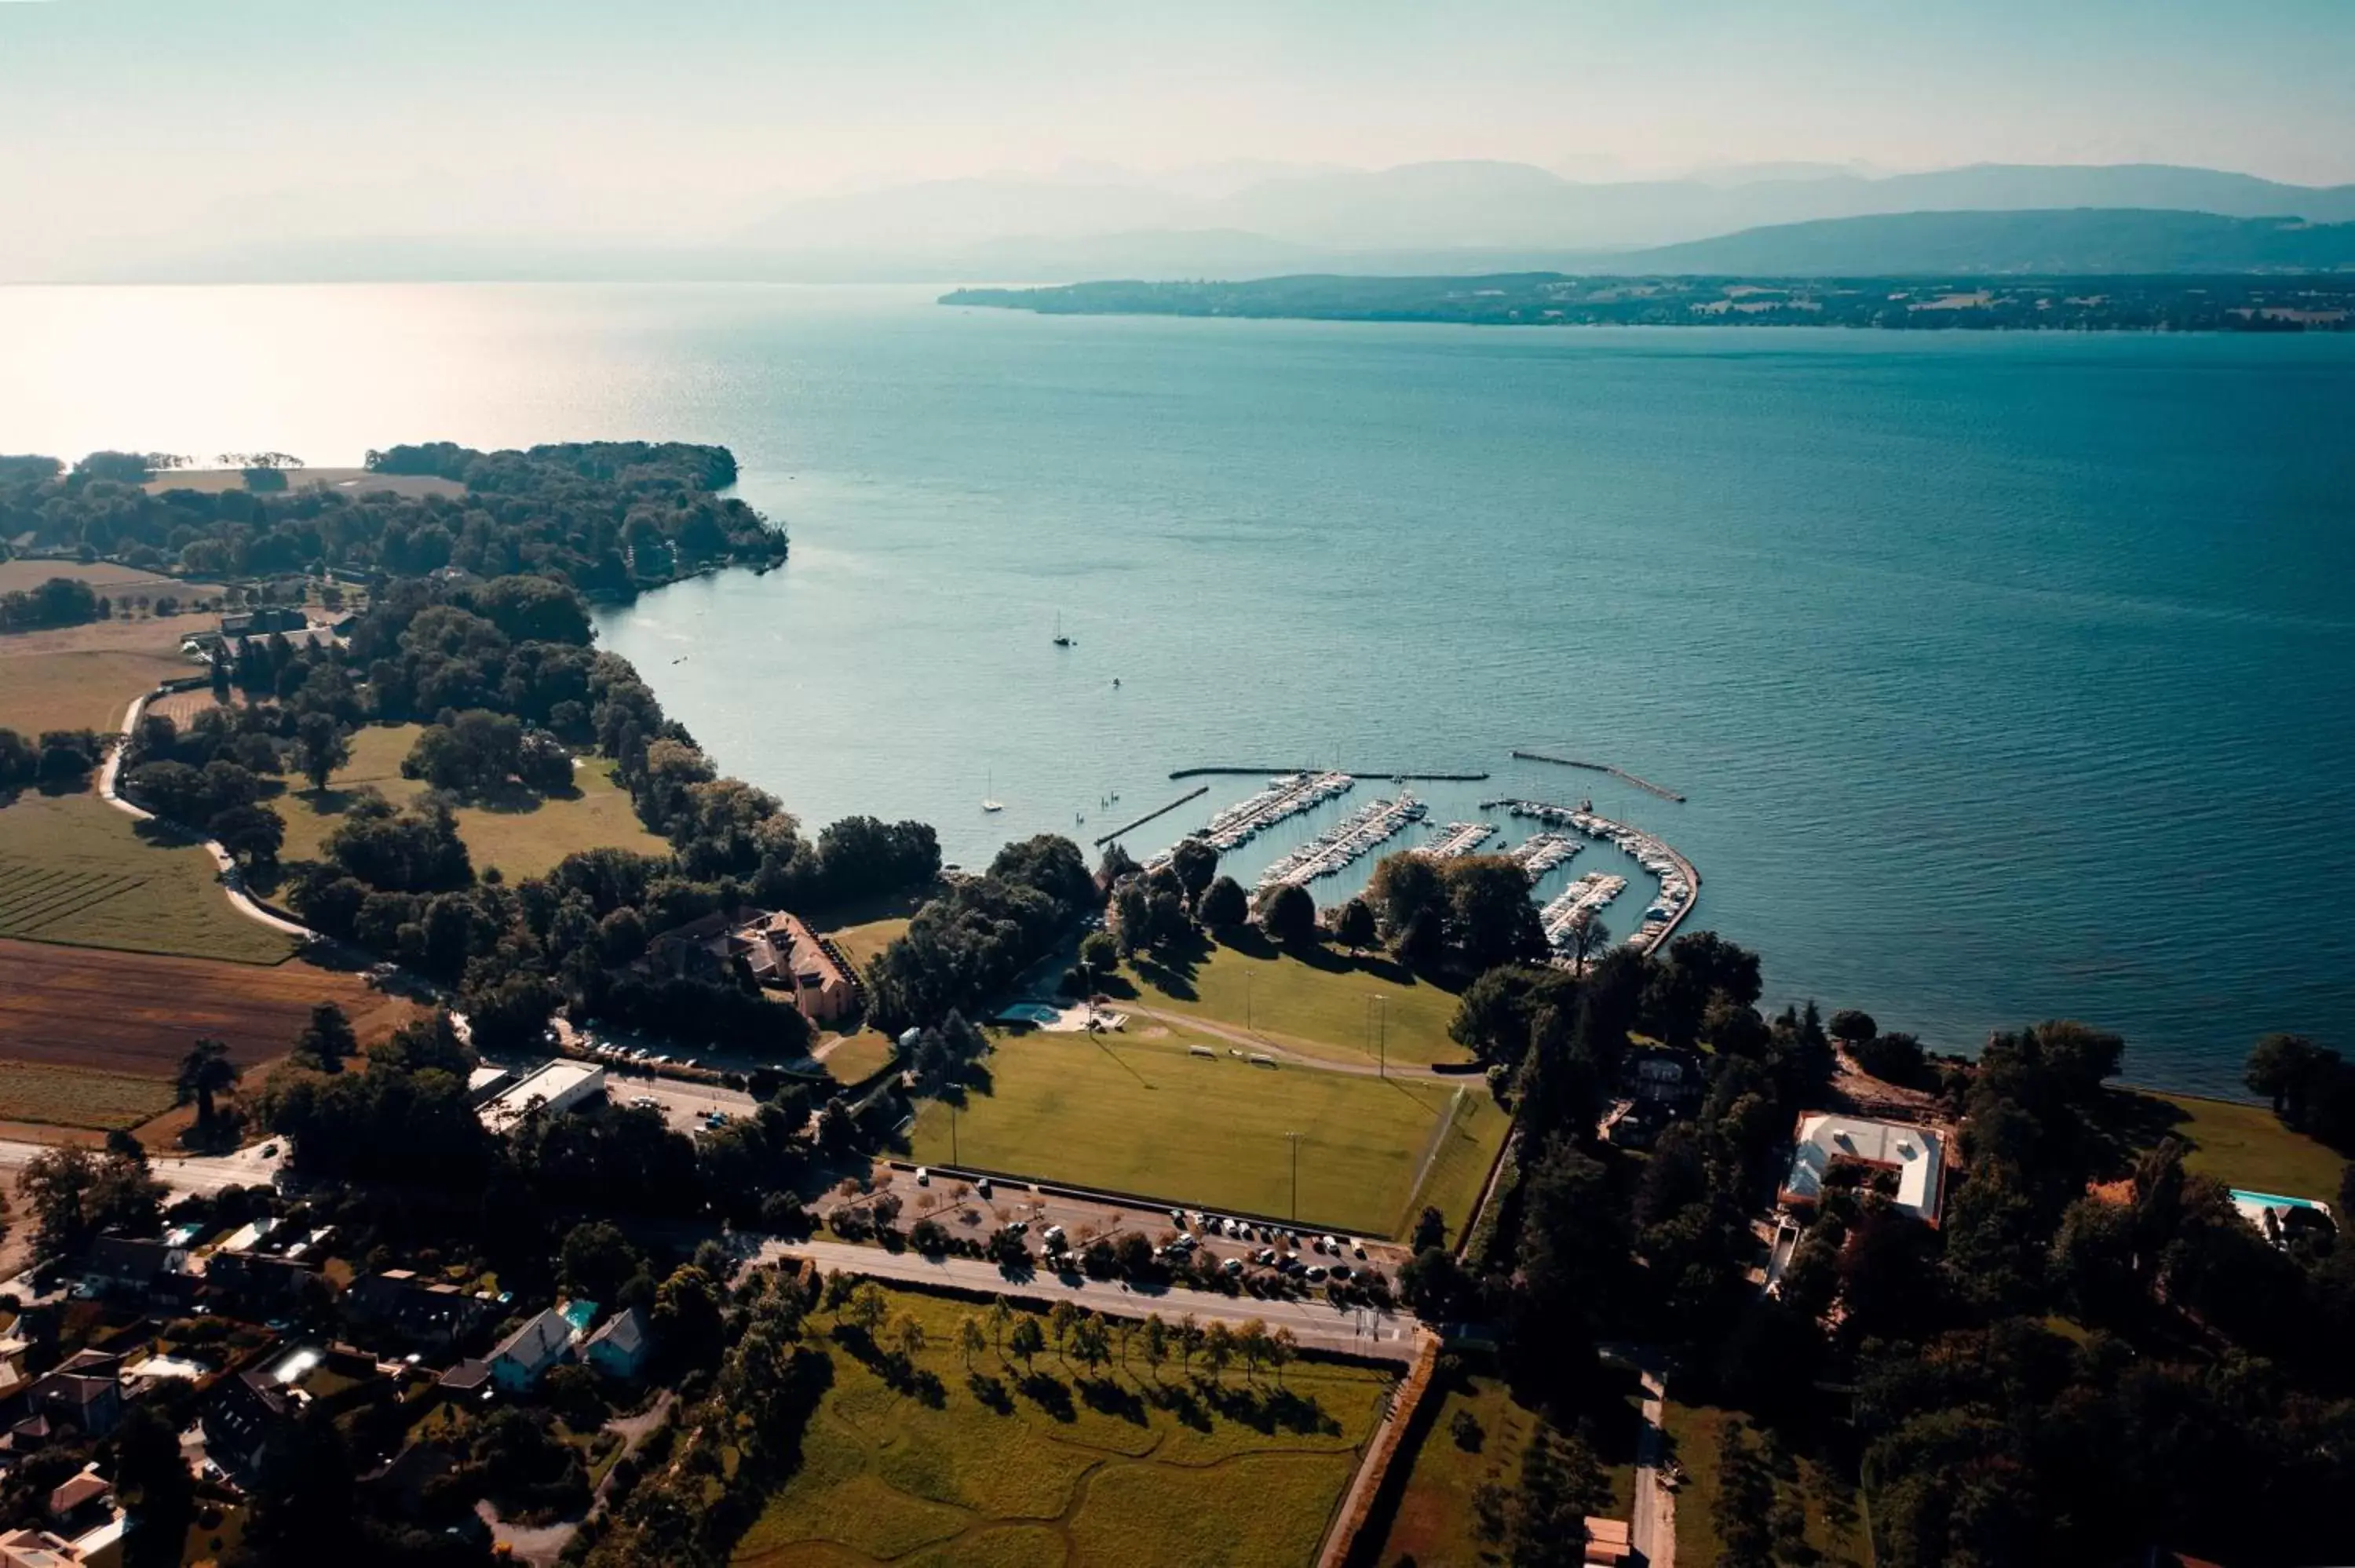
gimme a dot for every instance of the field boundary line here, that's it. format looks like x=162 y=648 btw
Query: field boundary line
x=1431 y=1147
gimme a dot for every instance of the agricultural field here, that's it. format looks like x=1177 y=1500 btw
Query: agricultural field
x=523 y=838
x=108 y=577
x=1124 y=1467
x=2247 y=1146
x=1148 y=1116
x=1834 y=1526
x=1435 y=1522
x=75 y=870
x=136 y=1014
x=349 y=481
x=77 y=688
x=45 y=1093
x=1318 y=1005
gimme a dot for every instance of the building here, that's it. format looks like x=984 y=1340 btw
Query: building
x=1910 y=1161
x=133 y=1266
x=262 y=621
x=524 y=1357
x=619 y=1348
x=778 y=952
x=1609 y=1541
x=2279 y=1219
x=84 y=1392
x=246 y=1415
x=558 y=1085
x=427 y=1313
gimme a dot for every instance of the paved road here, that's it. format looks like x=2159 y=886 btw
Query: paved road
x=203 y=1175
x=1654 y=1530
x=1318 y=1324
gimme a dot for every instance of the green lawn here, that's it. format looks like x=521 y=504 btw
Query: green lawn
x=2247 y=1146
x=75 y=870
x=525 y=840
x=1435 y=1522
x=860 y=943
x=79 y=1097
x=858 y=1056
x=1148 y=1116
x=1122 y=1468
x=1835 y=1527
x=1318 y=1005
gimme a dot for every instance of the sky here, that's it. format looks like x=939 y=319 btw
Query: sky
x=179 y=120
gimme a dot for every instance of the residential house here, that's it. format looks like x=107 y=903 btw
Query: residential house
x=1907 y=1162
x=777 y=951
x=247 y=1415
x=524 y=1357
x=618 y=1349
x=84 y=1392
x=83 y=1513
x=262 y=620
x=429 y=1314
x=133 y=1266
x=260 y=1284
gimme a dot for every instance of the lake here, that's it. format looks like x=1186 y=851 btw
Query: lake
x=2008 y=676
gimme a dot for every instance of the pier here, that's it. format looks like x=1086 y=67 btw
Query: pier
x=1286 y=795
x=1402 y=776
x=1679 y=881
x=1193 y=794
x=1580 y=901
x=1542 y=851
x=1662 y=790
x=1370 y=824
x=1455 y=839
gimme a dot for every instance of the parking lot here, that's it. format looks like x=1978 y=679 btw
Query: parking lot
x=1261 y=1249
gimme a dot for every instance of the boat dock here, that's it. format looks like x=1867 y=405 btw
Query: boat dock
x=1457 y=839
x=1662 y=790
x=1679 y=881
x=1580 y=901
x=1542 y=851
x=1370 y=824
x=1195 y=793
x=1286 y=795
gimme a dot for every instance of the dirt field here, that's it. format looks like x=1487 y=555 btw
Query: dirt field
x=136 y=1014
x=83 y=677
x=350 y=481
x=181 y=707
x=108 y=577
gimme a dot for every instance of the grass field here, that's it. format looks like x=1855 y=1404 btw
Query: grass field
x=79 y=1097
x=1835 y=1529
x=1435 y=1523
x=108 y=577
x=860 y=943
x=1148 y=1116
x=857 y=1056
x=2247 y=1146
x=137 y=1014
x=1317 y=1005
x=521 y=842
x=77 y=688
x=1121 y=1468
x=350 y=481
x=73 y=869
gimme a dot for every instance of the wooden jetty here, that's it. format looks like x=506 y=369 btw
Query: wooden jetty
x=1195 y=793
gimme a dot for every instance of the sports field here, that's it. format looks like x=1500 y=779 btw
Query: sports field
x=1149 y=1116
x=1325 y=1005
x=75 y=870
x=522 y=839
x=1120 y=1468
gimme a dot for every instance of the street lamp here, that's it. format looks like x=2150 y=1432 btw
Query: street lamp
x=1294 y=1139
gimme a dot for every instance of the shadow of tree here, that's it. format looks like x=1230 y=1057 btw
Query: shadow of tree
x=1181 y=1403
x=1049 y=1393
x=990 y=1392
x=1107 y=1396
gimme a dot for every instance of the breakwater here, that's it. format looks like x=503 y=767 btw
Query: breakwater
x=1194 y=794
x=1404 y=778
x=1662 y=790
x=1680 y=880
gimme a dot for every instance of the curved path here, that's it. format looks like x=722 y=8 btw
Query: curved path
x=232 y=881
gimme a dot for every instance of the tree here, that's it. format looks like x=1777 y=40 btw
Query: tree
x=1282 y=1348
x=1028 y=1339
x=206 y=1071
x=320 y=748
x=1195 y=862
x=1218 y=1347
x=1062 y=1318
x=867 y=1306
x=908 y=1336
x=1354 y=929
x=971 y=1339
x=1287 y=914
x=1100 y=950
x=1488 y=910
x=1850 y=1025
x=327 y=1039
x=1156 y=1339
x=254 y=834
x=157 y=1493
x=1586 y=936
x=1404 y=887
x=2289 y=1070
x=1001 y=1313
x=1090 y=1343
x=1223 y=905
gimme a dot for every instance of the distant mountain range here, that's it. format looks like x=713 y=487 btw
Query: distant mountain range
x=1422 y=218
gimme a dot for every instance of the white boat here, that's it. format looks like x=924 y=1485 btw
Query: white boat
x=989 y=800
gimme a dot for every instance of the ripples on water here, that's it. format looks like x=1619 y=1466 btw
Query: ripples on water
x=2008 y=676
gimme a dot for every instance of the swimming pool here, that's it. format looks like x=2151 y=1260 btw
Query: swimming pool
x=1030 y=1013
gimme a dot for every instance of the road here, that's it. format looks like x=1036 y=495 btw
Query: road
x=200 y=1174
x=1652 y=1531
x=1316 y=1324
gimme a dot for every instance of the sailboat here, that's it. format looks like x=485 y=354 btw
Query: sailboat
x=1060 y=640
x=989 y=800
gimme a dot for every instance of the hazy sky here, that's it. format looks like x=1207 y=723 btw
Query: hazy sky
x=131 y=117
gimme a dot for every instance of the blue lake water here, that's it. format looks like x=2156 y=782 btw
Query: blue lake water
x=2008 y=676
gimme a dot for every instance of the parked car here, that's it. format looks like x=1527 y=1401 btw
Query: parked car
x=924 y=1177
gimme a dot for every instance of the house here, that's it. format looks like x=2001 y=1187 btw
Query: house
x=619 y=1348
x=776 y=951
x=1907 y=1162
x=467 y=1380
x=1635 y=1124
x=1609 y=1541
x=84 y=1392
x=262 y=1284
x=524 y=1357
x=557 y=1085
x=428 y=1313
x=1662 y=1074
x=2279 y=1219
x=83 y=1513
x=248 y=1413
x=30 y=1548
x=261 y=621
x=132 y=1267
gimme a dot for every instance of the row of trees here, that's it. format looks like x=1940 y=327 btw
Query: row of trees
x=54 y=760
x=59 y=601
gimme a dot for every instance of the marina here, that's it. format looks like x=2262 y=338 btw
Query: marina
x=1680 y=882
x=1662 y=790
x=1375 y=823
x=1130 y=827
x=1457 y=839
x=1580 y=901
x=1286 y=795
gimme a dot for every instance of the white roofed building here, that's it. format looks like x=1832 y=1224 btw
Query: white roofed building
x=1827 y=1140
